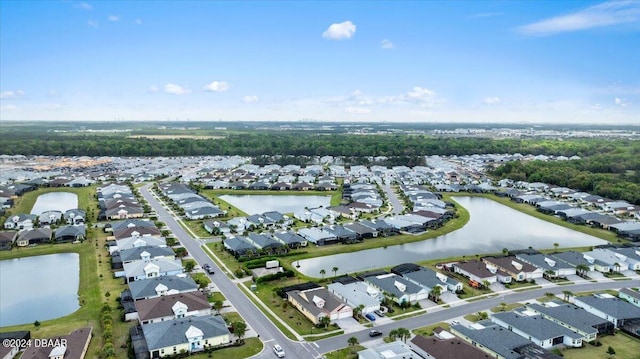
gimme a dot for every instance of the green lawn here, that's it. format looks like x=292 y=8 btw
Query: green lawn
x=506 y=308
x=625 y=346
x=251 y=347
x=428 y=330
x=345 y=353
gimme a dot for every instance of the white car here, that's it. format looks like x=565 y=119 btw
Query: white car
x=278 y=350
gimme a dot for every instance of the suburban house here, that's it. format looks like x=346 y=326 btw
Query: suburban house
x=426 y=277
x=144 y=253
x=159 y=286
x=290 y=239
x=265 y=243
x=317 y=303
x=517 y=269
x=549 y=266
x=630 y=295
x=444 y=345
x=239 y=246
x=192 y=335
x=172 y=306
x=357 y=293
x=629 y=255
x=397 y=288
x=76 y=346
x=393 y=350
x=135 y=242
x=574 y=318
x=609 y=307
x=611 y=262
x=49 y=217
x=138 y=270
x=479 y=272
x=7 y=239
x=136 y=232
x=538 y=329
x=317 y=236
x=361 y=231
x=34 y=236
x=69 y=234
x=20 y=221
x=500 y=342
x=75 y=216
x=574 y=259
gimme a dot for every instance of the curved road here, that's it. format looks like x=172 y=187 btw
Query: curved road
x=271 y=335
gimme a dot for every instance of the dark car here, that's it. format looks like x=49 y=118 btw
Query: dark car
x=374 y=333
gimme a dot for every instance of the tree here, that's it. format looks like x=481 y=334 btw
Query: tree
x=189 y=265
x=567 y=295
x=323 y=272
x=404 y=334
x=556 y=245
x=486 y=284
x=217 y=306
x=611 y=352
x=435 y=292
x=325 y=321
x=352 y=341
x=505 y=251
x=503 y=306
x=335 y=271
x=393 y=334
x=239 y=330
x=357 y=311
x=582 y=269
x=482 y=315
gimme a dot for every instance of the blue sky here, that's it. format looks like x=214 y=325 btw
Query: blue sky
x=417 y=61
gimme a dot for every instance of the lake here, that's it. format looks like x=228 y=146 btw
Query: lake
x=255 y=204
x=38 y=288
x=491 y=228
x=55 y=201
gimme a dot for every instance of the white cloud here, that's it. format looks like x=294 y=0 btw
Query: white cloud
x=605 y=14
x=492 y=100
x=175 y=89
x=138 y=21
x=84 y=6
x=153 y=88
x=113 y=18
x=92 y=23
x=217 y=86
x=340 y=31
x=11 y=94
x=620 y=102
x=10 y=108
x=250 y=99
x=386 y=44
x=357 y=110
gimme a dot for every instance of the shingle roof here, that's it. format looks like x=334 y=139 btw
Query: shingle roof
x=496 y=339
x=163 y=306
x=133 y=254
x=535 y=326
x=454 y=348
x=147 y=287
x=172 y=332
x=614 y=307
x=569 y=314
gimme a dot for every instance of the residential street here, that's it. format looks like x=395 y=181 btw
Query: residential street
x=271 y=335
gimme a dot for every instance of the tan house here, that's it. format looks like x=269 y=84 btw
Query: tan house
x=319 y=302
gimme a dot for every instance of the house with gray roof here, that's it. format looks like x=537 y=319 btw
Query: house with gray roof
x=317 y=236
x=34 y=237
x=574 y=259
x=573 y=318
x=20 y=221
x=629 y=255
x=630 y=295
x=206 y=211
x=191 y=335
x=139 y=232
x=290 y=239
x=135 y=242
x=316 y=303
x=429 y=279
x=265 y=242
x=143 y=270
x=380 y=226
x=239 y=246
x=49 y=217
x=609 y=307
x=144 y=253
x=356 y=294
x=392 y=350
x=500 y=342
x=548 y=265
x=7 y=239
x=216 y=227
x=69 y=233
x=343 y=234
x=128 y=223
x=610 y=261
x=399 y=289
x=361 y=231
x=75 y=216
x=171 y=306
x=160 y=286
x=538 y=329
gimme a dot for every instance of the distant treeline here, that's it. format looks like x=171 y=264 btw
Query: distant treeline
x=294 y=144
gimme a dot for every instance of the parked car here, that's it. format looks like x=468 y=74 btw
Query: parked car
x=278 y=350
x=379 y=313
x=208 y=269
x=374 y=333
x=371 y=317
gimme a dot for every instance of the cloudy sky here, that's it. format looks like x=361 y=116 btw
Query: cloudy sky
x=417 y=61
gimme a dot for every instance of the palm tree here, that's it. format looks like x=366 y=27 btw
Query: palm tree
x=325 y=321
x=217 y=306
x=616 y=267
x=352 y=341
x=503 y=306
x=505 y=251
x=357 y=311
x=582 y=269
x=486 y=284
x=239 y=330
x=435 y=292
x=556 y=245
x=567 y=295
x=335 y=271
x=393 y=334
x=323 y=272
x=404 y=334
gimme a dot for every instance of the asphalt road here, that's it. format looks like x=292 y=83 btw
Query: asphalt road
x=271 y=335
x=392 y=197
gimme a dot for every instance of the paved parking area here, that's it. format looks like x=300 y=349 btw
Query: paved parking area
x=349 y=325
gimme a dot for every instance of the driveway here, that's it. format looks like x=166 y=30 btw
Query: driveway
x=349 y=325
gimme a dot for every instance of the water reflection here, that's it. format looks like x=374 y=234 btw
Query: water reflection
x=491 y=228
